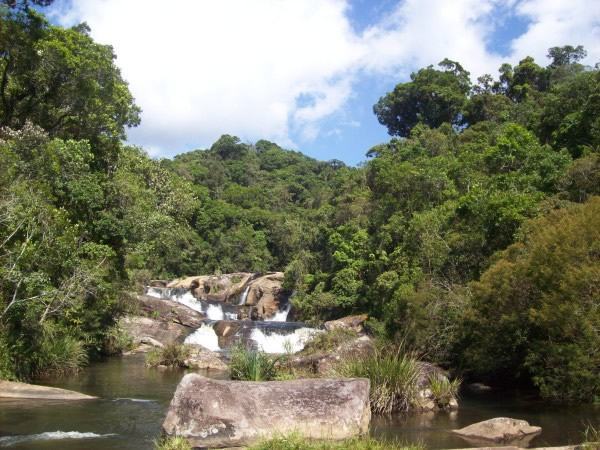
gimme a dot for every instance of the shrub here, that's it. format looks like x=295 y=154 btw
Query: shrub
x=171 y=355
x=172 y=443
x=117 y=341
x=297 y=442
x=59 y=354
x=394 y=377
x=251 y=365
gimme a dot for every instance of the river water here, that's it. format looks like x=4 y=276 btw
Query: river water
x=133 y=402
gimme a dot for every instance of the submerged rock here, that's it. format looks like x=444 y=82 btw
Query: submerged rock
x=500 y=430
x=212 y=413
x=14 y=389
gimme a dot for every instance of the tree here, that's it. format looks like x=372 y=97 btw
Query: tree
x=432 y=97
x=566 y=55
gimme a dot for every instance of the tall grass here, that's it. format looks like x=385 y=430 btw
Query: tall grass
x=329 y=340
x=442 y=389
x=59 y=354
x=171 y=355
x=251 y=365
x=297 y=442
x=394 y=377
x=172 y=443
x=591 y=438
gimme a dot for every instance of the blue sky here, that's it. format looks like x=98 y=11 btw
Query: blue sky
x=306 y=73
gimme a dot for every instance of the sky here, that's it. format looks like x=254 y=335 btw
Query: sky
x=306 y=73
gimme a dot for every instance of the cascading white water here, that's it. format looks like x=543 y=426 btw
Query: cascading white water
x=215 y=312
x=280 y=316
x=282 y=343
x=244 y=296
x=185 y=298
x=204 y=336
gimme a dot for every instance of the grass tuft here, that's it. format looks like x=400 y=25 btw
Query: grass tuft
x=251 y=365
x=328 y=341
x=394 y=377
x=442 y=389
x=172 y=443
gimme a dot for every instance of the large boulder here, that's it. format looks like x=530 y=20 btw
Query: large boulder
x=267 y=294
x=500 y=430
x=170 y=311
x=354 y=323
x=324 y=363
x=212 y=413
x=200 y=358
x=14 y=389
x=147 y=333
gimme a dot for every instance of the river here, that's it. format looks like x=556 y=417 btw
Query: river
x=133 y=402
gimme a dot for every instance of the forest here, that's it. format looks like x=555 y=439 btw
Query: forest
x=472 y=236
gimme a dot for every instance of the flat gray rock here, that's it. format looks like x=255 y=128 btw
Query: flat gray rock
x=14 y=389
x=213 y=413
x=501 y=430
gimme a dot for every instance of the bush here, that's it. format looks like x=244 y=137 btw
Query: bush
x=251 y=365
x=171 y=355
x=172 y=443
x=394 y=377
x=297 y=442
x=117 y=341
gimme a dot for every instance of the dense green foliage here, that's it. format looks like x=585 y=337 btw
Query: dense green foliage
x=251 y=365
x=446 y=227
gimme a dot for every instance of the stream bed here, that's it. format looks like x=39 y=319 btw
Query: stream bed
x=133 y=402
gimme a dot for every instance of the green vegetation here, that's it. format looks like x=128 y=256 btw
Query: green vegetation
x=591 y=438
x=329 y=340
x=251 y=365
x=296 y=442
x=394 y=377
x=172 y=443
x=443 y=389
x=171 y=355
x=448 y=237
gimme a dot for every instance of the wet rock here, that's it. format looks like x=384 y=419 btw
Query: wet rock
x=226 y=331
x=212 y=413
x=267 y=294
x=500 y=430
x=354 y=323
x=202 y=358
x=170 y=311
x=13 y=389
x=152 y=332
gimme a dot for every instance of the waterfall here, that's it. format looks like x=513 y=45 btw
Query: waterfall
x=282 y=343
x=244 y=296
x=280 y=316
x=215 y=312
x=206 y=337
x=182 y=296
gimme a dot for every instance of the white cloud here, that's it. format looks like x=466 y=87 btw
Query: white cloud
x=200 y=69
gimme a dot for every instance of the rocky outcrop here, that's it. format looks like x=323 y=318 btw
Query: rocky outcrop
x=354 y=323
x=222 y=288
x=500 y=430
x=201 y=358
x=323 y=363
x=212 y=413
x=267 y=294
x=13 y=389
x=226 y=331
x=170 y=311
x=147 y=333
